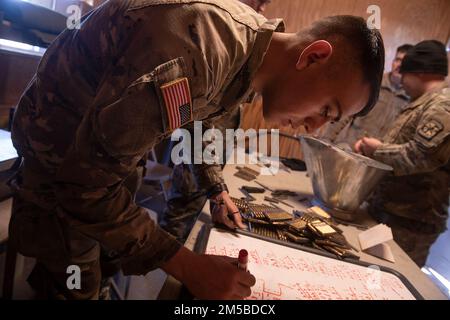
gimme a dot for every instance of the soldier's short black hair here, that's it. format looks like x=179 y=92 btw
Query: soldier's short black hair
x=404 y=48
x=367 y=48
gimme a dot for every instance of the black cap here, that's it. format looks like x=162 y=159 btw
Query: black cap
x=427 y=56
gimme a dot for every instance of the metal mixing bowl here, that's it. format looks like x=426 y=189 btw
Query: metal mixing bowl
x=341 y=180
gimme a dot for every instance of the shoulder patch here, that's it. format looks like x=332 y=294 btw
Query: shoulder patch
x=430 y=129
x=178 y=103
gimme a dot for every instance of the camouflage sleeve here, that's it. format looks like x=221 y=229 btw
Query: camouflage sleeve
x=206 y=174
x=429 y=148
x=91 y=193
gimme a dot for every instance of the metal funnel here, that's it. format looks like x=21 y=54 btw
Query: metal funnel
x=341 y=180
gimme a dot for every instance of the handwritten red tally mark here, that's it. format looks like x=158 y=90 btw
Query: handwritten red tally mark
x=177 y=98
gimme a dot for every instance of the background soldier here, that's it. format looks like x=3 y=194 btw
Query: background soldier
x=414 y=201
x=133 y=73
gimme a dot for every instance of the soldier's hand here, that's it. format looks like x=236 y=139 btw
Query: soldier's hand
x=357 y=147
x=224 y=211
x=367 y=146
x=199 y=274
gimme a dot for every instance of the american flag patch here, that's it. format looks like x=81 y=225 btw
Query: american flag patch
x=177 y=98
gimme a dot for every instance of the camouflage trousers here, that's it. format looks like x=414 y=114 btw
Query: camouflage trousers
x=185 y=203
x=44 y=235
x=414 y=237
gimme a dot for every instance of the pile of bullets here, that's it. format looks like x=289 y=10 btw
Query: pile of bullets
x=246 y=173
x=312 y=227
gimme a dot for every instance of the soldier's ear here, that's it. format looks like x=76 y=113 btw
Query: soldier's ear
x=317 y=52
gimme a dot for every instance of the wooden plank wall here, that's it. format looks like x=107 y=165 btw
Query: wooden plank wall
x=402 y=21
x=16 y=71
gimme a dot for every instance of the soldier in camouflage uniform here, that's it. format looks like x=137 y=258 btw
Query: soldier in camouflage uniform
x=414 y=201
x=134 y=72
x=379 y=121
x=185 y=199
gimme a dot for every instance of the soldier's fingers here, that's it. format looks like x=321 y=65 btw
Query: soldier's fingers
x=237 y=219
x=230 y=204
x=357 y=146
x=230 y=260
x=222 y=217
x=364 y=144
x=363 y=150
x=242 y=291
x=234 y=213
x=218 y=214
x=228 y=222
x=247 y=279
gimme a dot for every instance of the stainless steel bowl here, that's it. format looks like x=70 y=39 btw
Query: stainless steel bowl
x=341 y=180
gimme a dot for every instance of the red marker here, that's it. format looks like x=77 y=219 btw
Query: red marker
x=243 y=259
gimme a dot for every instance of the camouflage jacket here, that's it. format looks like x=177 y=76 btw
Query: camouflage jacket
x=375 y=124
x=418 y=148
x=106 y=93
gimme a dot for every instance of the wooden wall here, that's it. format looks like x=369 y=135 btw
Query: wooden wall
x=16 y=70
x=402 y=21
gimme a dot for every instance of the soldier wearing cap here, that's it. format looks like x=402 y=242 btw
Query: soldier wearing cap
x=414 y=200
x=134 y=72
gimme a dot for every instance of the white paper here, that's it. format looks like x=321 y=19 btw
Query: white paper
x=286 y=273
x=383 y=251
x=375 y=235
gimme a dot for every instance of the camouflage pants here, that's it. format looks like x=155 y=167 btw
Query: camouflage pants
x=414 y=237
x=416 y=245
x=44 y=235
